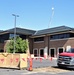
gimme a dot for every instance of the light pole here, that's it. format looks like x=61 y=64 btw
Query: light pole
x=14 y=30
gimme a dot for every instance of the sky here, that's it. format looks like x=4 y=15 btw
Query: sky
x=36 y=14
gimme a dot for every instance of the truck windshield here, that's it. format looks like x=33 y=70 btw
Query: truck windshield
x=70 y=50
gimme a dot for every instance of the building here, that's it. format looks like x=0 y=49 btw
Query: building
x=7 y=34
x=43 y=43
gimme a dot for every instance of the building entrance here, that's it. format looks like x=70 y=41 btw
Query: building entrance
x=35 y=52
x=52 y=52
x=60 y=50
x=41 y=52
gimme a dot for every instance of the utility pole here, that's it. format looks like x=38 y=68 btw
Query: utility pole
x=14 y=30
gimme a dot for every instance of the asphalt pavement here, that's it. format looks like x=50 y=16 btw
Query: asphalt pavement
x=37 y=63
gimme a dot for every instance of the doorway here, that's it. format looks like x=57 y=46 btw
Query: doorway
x=52 y=52
x=41 y=52
x=60 y=50
x=35 y=52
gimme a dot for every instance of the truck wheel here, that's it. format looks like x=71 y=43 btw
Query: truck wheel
x=59 y=66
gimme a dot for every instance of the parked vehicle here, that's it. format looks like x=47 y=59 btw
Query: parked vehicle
x=66 y=59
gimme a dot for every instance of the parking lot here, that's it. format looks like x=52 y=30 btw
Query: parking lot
x=40 y=67
x=48 y=65
x=40 y=63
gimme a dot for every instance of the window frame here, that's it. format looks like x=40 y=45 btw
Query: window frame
x=36 y=41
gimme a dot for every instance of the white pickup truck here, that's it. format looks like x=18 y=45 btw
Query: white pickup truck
x=66 y=59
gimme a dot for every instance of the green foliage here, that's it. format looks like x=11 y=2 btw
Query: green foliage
x=21 y=46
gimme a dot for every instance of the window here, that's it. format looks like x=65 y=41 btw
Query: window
x=22 y=36
x=4 y=37
x=60 y=36
x=71 y=34
x=12 y=35
x=70 y=50
x=38 y=39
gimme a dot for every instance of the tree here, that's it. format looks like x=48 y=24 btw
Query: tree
x=21 y=46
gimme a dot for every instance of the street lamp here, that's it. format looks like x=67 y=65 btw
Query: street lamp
x=14 y=30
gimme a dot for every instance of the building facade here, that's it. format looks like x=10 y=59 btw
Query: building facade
x=50 y=42
x=6 y=35
x=43 y=43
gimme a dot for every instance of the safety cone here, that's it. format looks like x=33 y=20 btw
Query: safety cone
x=32 y=58
x=40 y=59
x=50 y=58
x=36 y=58
x=45 y=56
x=30 y=68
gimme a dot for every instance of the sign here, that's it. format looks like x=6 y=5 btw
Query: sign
x=23 y=59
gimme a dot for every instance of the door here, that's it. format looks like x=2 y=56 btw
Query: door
x=41 y=52
x=35 y=52
x=60 y=50
x=52 y=52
